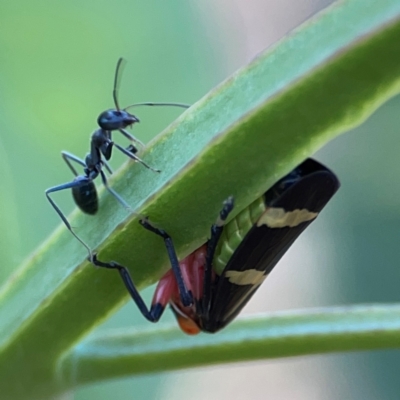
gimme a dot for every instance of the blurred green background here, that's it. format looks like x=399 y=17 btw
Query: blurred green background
x=57 y=61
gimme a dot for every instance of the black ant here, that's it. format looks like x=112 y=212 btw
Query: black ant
x=83 y=188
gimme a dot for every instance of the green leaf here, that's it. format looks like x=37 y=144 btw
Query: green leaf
x=284 y=334
x=321 y=80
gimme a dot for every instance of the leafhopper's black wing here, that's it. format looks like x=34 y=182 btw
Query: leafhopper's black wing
x=291 y=205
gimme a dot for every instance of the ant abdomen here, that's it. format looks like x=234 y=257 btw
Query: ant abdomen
x=85 y=195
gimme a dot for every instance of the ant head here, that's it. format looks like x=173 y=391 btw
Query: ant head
x=112 y=120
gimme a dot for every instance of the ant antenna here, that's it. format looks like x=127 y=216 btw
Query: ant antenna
x=117 y=80
x=181 y=105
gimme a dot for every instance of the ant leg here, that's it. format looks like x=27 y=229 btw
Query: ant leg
x=216 y=231
x=185 y=294
x=134 y=157
x=58 y=188
x=100 y=142
x=106 y=149
x=68 y=157
x=131 y=137
x=95 y=156
x=157 y=306
x=132 y=149
x=114 y=193
x=107 y=167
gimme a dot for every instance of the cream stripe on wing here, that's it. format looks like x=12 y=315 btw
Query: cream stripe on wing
x=279 y=218
x=248 y=277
